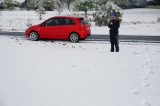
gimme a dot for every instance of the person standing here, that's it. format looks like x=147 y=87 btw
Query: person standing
x=114 y=33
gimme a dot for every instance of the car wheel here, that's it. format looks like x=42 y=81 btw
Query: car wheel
x=33 y=36
x=74 y=37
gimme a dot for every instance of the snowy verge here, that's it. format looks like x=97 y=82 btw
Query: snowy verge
x=60 y=73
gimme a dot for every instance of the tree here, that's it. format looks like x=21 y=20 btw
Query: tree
x=31 y=4
x=157 y=2
x=84 y=6
x=122 y=3
x=59 y=6
x=40 y=11
x=154 y=2
x=2 y=5
x=68 y=2
x=138 y=3
x=10 y=4
x=35 y=4
x=103 y=16
x=48 y=5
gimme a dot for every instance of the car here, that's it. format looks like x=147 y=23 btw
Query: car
x=60 y=27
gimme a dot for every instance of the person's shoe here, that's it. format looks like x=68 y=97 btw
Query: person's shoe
x=112 y=50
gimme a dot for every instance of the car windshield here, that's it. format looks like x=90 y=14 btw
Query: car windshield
x=83 y=21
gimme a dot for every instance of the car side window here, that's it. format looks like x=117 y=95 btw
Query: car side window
x=83 y=21
x=53 y=22
x=68 y=21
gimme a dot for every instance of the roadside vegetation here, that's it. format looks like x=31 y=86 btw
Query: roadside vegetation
x=101 y=9
x=79 y=5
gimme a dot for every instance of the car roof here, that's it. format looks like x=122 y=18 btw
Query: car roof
x=67 y=17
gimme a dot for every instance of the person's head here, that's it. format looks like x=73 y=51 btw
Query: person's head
x=113 y=16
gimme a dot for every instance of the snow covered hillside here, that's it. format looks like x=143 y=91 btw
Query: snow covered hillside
x=60 y=73
x=135 y=21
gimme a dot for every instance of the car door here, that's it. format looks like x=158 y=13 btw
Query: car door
x=67 y=27
x=50 y=28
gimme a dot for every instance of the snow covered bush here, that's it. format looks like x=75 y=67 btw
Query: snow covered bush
x=48 y=5
x=10 y=4
x=103 y=16
x=84 y=5
x=31 y=4
x=40 y=11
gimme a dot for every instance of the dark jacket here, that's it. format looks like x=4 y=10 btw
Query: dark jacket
x=114 y=25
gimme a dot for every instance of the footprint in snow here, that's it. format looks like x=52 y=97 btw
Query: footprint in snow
x=81 y=70
x=145 y=78
x=150 y=72
x=145 y=103
x=146 y=85
x=158 y=51
x=85 y=70
x=151 y=67
x=136 y=53
x=64 y=44
x=146 y=49
x=146 y=63
x=154 y=94
x=142 y=65
x=135 y=91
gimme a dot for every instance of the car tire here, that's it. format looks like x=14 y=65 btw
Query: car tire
x=74 y=37
x=33 y=36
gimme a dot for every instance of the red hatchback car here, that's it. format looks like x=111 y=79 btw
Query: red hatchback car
x=60 y=27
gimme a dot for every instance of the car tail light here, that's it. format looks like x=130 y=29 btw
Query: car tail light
x=88 y=28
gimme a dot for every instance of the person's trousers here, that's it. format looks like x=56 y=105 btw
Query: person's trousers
x=114 y=43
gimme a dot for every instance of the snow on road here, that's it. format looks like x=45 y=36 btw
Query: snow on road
x=60 y=73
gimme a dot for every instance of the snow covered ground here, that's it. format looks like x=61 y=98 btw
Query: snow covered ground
x=60 y=73
x=135 y=21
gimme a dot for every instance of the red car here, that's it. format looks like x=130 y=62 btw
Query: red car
x=60 y=27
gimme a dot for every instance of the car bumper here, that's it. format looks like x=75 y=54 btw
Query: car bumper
x=85 y=34
x=27 y=33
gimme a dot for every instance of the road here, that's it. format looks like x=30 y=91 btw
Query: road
x=123 y=38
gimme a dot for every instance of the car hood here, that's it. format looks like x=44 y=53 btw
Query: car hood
x=35 y=25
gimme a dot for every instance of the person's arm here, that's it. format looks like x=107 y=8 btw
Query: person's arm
x=117 y=24
x=110 y=24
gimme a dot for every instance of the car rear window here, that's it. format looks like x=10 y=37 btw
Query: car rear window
x=83 y=21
